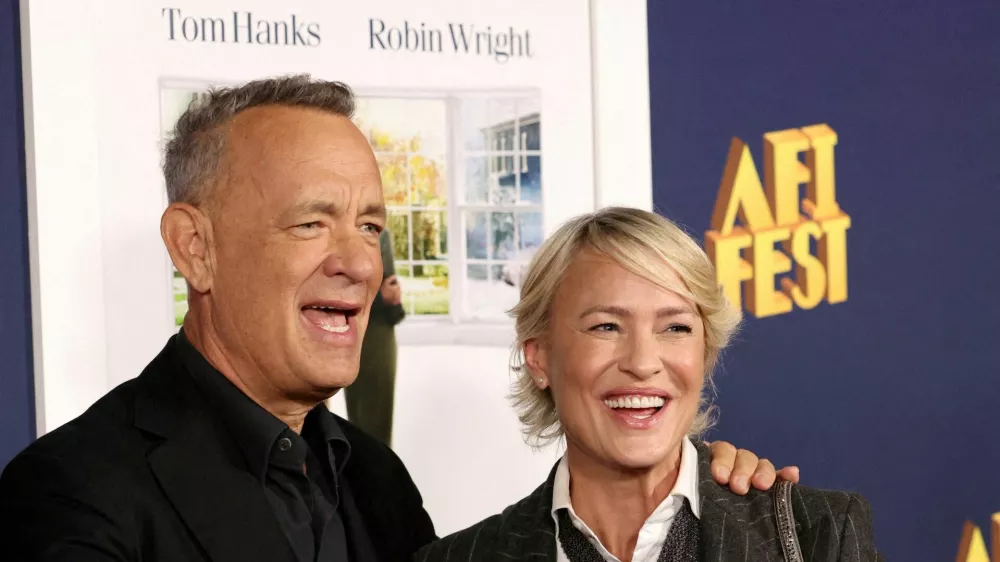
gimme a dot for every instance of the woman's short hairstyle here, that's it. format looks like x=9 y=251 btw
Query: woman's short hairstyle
x=646 y=244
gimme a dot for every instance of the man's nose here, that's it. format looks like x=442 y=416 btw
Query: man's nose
x=351 y=255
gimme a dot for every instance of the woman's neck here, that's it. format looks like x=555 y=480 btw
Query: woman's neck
x=616 y=502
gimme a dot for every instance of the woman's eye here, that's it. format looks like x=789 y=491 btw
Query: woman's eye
x=679 y=329
x=310 y=225
x=606 y=327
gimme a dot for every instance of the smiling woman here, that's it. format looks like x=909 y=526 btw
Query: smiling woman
x=619 y=325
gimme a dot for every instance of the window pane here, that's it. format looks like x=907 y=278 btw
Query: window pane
x=502 y=226
x=492 y=298
x=475 y=121
x=478 y=179
x=478 y=272
x=428 y=289
x=395 y=178
x=475 y=236
x=505 y=192
x=402 y=270
x=430 y=235
x=531 y=132
x=399 y=228
x=531 y=180
x=427 y=176
x=501 y=114
x=529 y=233
x=404 y=125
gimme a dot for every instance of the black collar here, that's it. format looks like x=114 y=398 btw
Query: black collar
x=255 y=429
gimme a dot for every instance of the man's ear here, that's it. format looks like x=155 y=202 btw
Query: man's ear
x=536 y=360
x=187 y=233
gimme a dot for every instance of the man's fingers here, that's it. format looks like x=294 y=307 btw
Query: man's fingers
x=723 y=460
x=764 y=476
x=743 y=471
x=790 y=473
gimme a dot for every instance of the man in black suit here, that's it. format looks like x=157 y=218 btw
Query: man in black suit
x=222 y=450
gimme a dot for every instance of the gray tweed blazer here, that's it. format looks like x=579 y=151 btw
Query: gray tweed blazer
x=832 y=526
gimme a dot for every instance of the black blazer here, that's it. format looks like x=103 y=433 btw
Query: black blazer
x=149 y=473
x=832 y=526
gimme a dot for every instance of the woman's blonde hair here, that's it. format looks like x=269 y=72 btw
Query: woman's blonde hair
x=646 y=244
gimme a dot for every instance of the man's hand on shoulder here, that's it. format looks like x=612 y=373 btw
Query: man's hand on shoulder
x=739 y=468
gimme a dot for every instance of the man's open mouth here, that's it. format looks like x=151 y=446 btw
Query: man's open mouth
x=334 y=318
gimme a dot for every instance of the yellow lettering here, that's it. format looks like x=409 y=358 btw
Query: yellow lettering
x=821 y=194
x=832 y=250
x=972 y=547
x=749 y=218
x=783 y=173
x=740 y=193
x=731 y=270
x=995 y=541
x=810 y=277
x=761 y=297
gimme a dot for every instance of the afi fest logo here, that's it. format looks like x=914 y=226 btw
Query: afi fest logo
x=812 y=230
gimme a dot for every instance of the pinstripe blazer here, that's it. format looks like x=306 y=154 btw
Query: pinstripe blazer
x=832 y=526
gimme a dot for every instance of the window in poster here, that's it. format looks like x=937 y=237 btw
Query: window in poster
x=461 y=174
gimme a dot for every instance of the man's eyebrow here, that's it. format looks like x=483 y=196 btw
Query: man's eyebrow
x=373 y=209
x=332 y=209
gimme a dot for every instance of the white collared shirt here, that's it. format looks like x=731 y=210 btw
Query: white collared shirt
x=654 y=531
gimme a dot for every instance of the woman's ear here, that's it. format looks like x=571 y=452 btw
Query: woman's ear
x=535 y=358
x=187 y=233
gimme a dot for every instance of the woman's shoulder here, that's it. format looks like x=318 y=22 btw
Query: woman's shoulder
x=837 y=505
x=495 y=533
x=839 y=519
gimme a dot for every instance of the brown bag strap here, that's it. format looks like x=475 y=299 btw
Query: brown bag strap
x=785 y=518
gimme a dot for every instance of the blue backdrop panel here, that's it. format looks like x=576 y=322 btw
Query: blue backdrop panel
x=896 y=392
x=17 y=411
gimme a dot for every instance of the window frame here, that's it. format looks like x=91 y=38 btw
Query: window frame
x=425 y=329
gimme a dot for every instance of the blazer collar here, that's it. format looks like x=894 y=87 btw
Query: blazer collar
x=726 y=533
x=200 y=469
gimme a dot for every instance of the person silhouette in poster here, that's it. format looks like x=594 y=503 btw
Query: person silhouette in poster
x=371 y=398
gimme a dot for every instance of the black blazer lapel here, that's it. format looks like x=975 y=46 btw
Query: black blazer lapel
x=201 y=472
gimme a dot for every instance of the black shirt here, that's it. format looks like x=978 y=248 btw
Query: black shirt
x=299 y=475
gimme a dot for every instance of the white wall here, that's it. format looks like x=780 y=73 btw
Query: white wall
x=101 y=277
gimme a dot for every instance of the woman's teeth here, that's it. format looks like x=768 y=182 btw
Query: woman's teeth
x=636 y=402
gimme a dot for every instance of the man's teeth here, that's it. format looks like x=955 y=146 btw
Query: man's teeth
x=335 y=329
x=335 y=320
x=637 y=402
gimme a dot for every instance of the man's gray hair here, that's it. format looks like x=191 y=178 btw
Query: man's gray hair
x=195 y=148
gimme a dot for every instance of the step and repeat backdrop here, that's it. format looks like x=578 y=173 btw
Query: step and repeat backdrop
x=839 y=163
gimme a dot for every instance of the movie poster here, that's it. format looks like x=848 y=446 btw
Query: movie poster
x=481 y=118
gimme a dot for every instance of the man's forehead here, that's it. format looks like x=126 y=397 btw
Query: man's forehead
x=296 y=138
x=294 y=129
